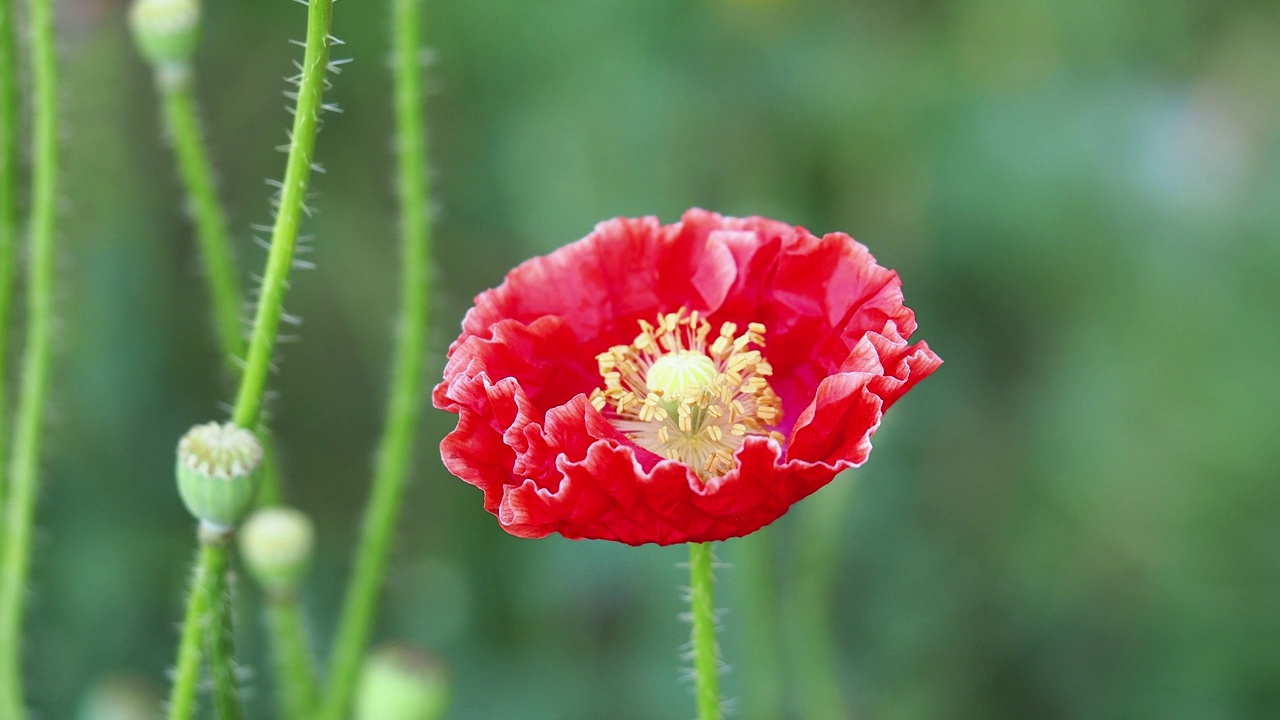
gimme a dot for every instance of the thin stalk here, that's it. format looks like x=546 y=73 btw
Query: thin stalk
x=813 y=652
x=294 y=674
x=20 y=515
x=182 y=117
x=8 y=212
x=221 y=630
x=270 y=307
x=284 y=234
x=211 y=226
x=210 y=566
x=405 y=400
x=706 y=652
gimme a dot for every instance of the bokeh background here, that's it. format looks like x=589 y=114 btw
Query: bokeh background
x=1077 y=517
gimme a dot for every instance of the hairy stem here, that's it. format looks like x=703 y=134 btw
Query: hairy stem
x=270 y=307
x=706 y=652
x=183 y=120
x=405 y=400
x=20 y=511
x=222 y=665
x=8 y=214
x=210 y=566
x=210 y=222
x=293 y=194
x=294 y=674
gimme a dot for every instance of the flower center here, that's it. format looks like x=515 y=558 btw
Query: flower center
x=682 y=372
x=684 y=398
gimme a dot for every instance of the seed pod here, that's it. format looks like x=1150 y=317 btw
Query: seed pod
x=276 y=545
x=401 y=682
x=218 y=472
x=165 y=31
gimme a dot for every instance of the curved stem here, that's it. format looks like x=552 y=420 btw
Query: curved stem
x=210 y=221
x=294 y=674
x=210 y=564
x=405 y=401
x=8 y=219
x=20 y=513
x=706 y=652
x=183 y=119
x=266 y=323
x=222 y=666
x=293 y=194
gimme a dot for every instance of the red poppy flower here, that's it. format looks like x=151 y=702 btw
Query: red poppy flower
x=675 y=383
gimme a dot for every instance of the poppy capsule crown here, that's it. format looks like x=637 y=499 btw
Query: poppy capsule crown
x=218 y=469
x=622 y=388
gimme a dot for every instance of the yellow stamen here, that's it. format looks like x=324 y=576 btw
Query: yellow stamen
x=699 y=401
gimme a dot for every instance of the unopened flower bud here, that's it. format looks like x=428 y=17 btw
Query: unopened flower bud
x=401 y=682
x=276 y=544
x=165 y=31
x=218 y=472
x=121 y=697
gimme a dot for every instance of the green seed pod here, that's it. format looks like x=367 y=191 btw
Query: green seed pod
x=218 y=472
x=165 y=31
x=276 y=546
x=401 y=682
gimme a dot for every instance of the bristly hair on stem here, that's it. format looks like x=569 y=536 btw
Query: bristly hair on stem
x=25 y=459
x=247 y=411
x=406 y=393
x=8 y=214
x=705 y=651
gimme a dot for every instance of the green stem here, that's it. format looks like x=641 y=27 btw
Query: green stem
x=8 y=219
x=812 y=650
x=294 y=674
x=293 y=193
x=405 y=400
x=210 y=221
x=706 y=652
x=221 y=635
x=183 y=119
x=266 y=323
x=25 y=461
x=210 y=566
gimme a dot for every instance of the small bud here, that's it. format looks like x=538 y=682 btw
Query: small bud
x=218 y=472
x=276 y=546
x=401 y=682
x=165 y=31
x=121 y=697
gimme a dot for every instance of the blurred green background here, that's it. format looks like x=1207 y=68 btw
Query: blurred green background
x=1077 y=517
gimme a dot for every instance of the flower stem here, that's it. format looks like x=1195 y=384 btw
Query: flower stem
x=284 y=234
x=706 y=652
x=183 y=119
x=294 y=675
x=226 y=697
x=210 y=566
x=405 y=398
x=253 y=381
x=210 y=222
x=20 y=510
x=8 y=219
